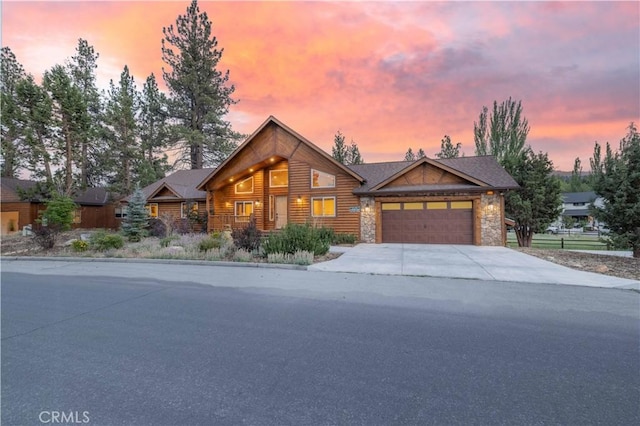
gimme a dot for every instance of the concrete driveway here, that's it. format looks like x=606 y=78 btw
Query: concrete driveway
x=472 y=262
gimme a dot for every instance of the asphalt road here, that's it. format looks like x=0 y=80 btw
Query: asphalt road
x=277 y=347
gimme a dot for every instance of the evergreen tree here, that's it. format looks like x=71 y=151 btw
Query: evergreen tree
x=617 y=180
x=36 y=112
x=506 y=134
x=72 y=122
x=421 y=154
x=354 y=154
x=82 y=69
x=447 y=150
x=576 y=184
x=153 y=131
x=121 y=123
x=11 y=74
x=134 y=225
x=409 y=155
x=200 y=93
x=538 y=202
x=339 y=152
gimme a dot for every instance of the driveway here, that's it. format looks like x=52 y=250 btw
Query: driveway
x=471 y=262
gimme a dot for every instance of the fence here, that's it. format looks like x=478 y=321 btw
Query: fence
x=564 y=243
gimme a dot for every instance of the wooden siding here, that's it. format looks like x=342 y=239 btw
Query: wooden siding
x=425 y=174
x=97 y=217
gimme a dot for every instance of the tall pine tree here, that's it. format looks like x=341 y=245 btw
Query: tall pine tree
x=11 y=74
x=200 y=93
x=153 y=131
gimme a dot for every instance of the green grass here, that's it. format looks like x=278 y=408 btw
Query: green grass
x=549 y=241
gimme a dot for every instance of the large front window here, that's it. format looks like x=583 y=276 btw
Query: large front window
x=244 y=209
x=245 y=186
x=323 y=206
x=278 y=178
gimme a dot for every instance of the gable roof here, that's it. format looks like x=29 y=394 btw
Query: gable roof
x=11 y=193
x=10 y=189
x=182 y=184
x=275 y=121
x=480 y=172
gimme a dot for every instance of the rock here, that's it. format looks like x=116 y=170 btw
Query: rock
x=602 y=269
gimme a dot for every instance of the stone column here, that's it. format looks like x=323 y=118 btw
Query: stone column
x=367 y=220
x=491 y=220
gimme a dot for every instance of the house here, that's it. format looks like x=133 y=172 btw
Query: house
x=278 y=176
x=95 y=207
x=576 y=206
x=174 y=196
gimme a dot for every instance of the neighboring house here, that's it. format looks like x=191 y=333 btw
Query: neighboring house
x=577 y=205
x=95 y=207
x=174 y=196
x=280 y=177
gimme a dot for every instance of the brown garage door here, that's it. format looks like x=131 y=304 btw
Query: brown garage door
x=432 y=222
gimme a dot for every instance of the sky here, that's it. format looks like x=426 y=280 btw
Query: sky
x=388 y=75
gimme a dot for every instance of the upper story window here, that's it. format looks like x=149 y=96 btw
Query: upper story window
x=322 y=180
x=278 y=178
x=245 y=186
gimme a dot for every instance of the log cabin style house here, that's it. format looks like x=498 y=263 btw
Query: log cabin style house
x=278 y=176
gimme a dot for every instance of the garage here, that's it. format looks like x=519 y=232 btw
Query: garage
x=428 y=222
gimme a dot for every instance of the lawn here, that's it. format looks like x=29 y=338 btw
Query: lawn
x=550 y=241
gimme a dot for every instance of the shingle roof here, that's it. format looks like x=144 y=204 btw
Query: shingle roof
x=11 y=193
x=94 y=196
x=484 y=168
x=9 y=188
x=579 y=197
x=183 y=183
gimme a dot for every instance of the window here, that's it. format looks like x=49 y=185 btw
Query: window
x=579 y=204
x=245 y=186
x=272 y=208
x=322 y=180
x=324 y=207
x=278 y=178
x=77 y=215
x=121 y=212
x=244 y=209
x=152 y=208
x=188 y=208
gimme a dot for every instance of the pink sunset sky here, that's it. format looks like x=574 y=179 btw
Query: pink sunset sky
x=389 y=75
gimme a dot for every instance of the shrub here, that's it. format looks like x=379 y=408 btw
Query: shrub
x=295 y=237
x=249 y=237
x=210 y=243
x=242 y=255
x=157 y=228
x=79 y=245
x=103 y=241
x=57 y=217
x=344 y=239
x=45 y=237
x=166 y=241
x=298 y=258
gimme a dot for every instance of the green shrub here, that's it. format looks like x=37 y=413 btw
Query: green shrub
x=294 y=237
x=344 y=239
x=210 y=243
x=79 y=245
x=103 y=241
x=166 y=241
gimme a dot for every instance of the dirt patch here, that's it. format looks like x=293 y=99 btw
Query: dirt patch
x=615 y=266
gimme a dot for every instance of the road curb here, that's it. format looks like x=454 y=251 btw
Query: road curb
x=159 y=261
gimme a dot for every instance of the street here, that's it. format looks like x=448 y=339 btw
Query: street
x=151 y=344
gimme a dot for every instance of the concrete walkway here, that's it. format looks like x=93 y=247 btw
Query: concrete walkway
x=472 y=262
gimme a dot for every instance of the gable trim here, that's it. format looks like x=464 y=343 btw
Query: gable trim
x=301 y=138
x=160 y=188
x=431 y=162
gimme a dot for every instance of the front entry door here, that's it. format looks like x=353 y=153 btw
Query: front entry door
x=281 y=211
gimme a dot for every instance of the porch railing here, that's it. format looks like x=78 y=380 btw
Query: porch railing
x=228 y=222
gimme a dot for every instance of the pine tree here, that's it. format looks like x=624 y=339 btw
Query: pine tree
x=134 y=225
x=421 y=154
x=122 y=132
x=11 y=74
x=154 y=134
x=82 y=69
x=354 y=154
x=200 y=93
x=70 y=112
x=409 y=155
x=617 y=180
x=339 y=151
x=447 y=150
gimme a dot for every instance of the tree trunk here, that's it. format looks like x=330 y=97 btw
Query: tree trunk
x=524 y=236
x=636 y=251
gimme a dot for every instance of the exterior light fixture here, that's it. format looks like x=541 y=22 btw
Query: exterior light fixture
x=489 y=192
x=299 y=199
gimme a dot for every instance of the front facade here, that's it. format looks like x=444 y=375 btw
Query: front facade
x=576 y=208
x=278 y=177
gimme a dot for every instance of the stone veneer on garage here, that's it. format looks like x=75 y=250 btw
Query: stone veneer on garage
x=490 y=222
